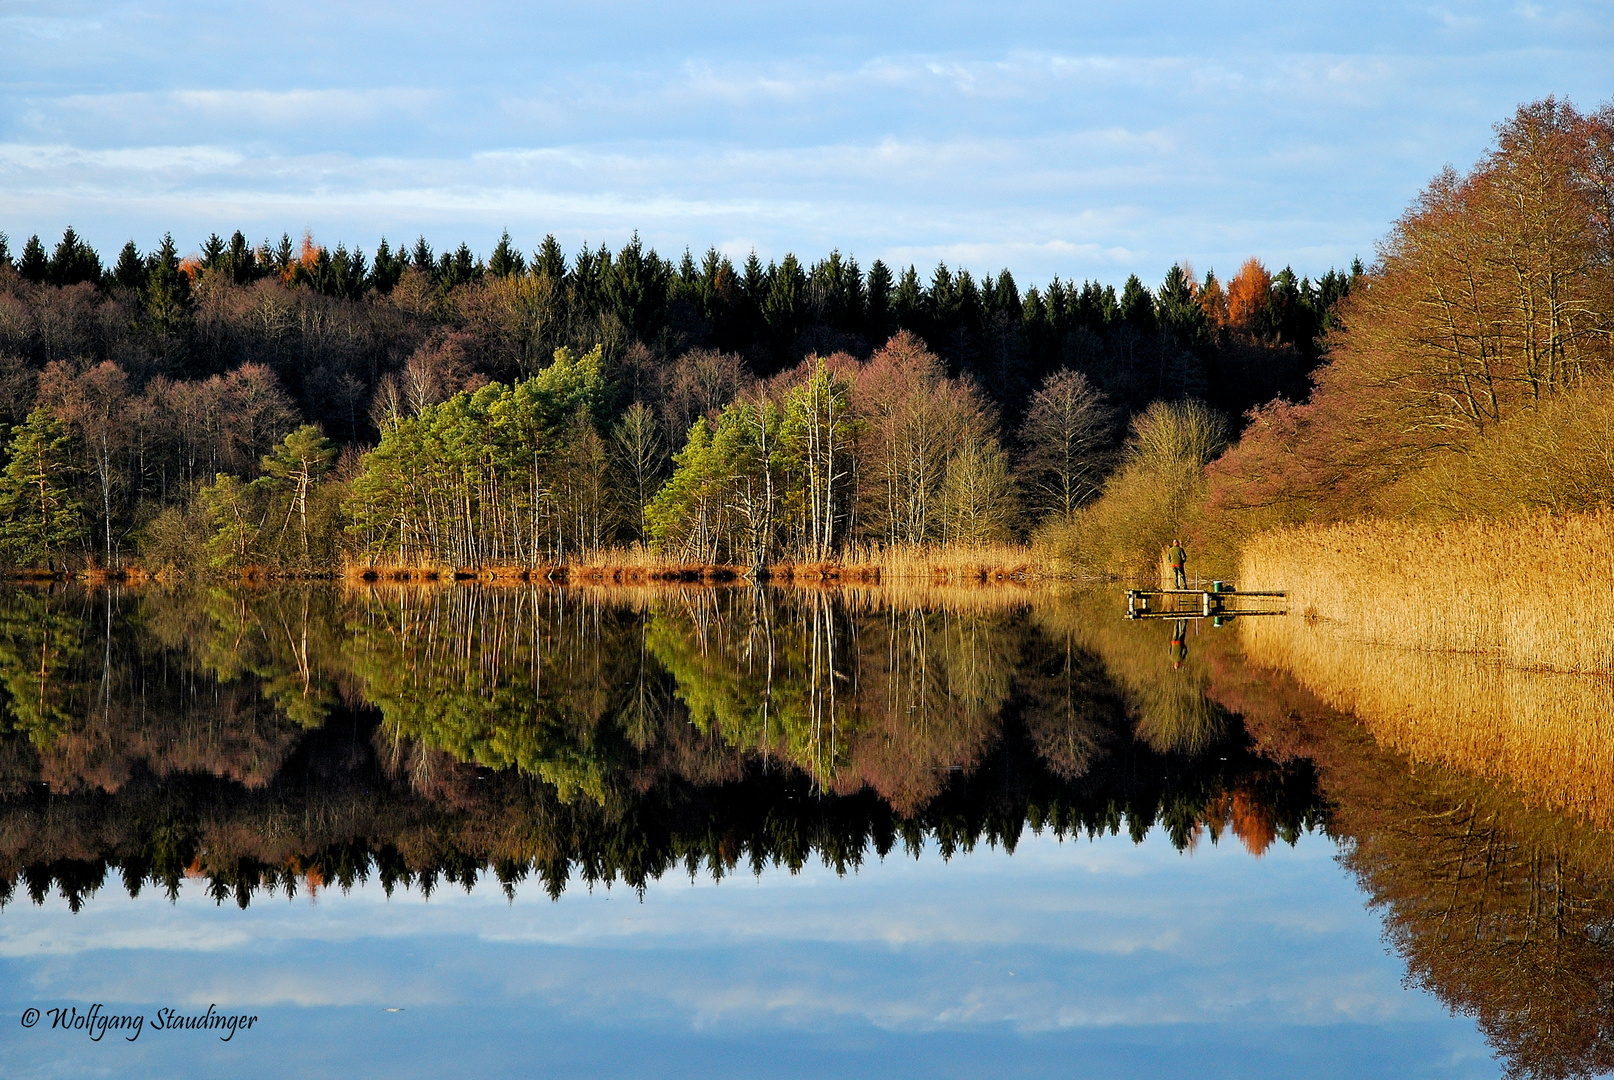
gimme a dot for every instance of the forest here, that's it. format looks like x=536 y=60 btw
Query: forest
x=297 y=407
x=294 y=408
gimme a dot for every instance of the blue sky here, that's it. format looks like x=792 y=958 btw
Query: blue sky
x=1069 y=138
x=1101 y=959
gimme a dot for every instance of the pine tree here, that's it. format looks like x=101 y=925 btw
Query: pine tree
x=388 y=267
x=1137 y=305
x=300 y=461
x=283 y=256
x=41 y=517
x=878 y=302
x=782 y=309
x=909 y=302
x=212 y=251
x=240 y=261
x=167 y=294
x=74 y=261
x=549 y=261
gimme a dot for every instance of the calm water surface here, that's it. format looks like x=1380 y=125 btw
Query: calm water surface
x=737 y=832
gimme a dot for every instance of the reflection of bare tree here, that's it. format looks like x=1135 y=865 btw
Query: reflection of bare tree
x=1070 y=709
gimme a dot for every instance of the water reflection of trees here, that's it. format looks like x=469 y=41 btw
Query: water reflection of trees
x=435 y=735
x=341 y=811
x=1503 y=910
x=103 y=688
x=265 y=742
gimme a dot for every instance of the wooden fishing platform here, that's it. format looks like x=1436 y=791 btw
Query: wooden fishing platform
x=1219 y=602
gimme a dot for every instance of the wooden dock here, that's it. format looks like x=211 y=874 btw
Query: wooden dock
x=1219 y=602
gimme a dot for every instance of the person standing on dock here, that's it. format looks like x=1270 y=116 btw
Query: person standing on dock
x=1178 y=558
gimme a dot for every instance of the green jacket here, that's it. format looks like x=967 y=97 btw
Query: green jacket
x=1177 y=556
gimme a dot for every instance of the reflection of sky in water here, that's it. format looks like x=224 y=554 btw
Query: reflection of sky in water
x=1091 y=959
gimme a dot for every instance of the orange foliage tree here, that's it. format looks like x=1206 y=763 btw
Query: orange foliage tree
x=1247 y=297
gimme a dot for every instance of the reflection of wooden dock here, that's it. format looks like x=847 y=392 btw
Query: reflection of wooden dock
x=1221 y=601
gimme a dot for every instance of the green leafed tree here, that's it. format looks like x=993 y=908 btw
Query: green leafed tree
x=292 y=469
x=43 y=520
x=33 y=265
x=235 y=516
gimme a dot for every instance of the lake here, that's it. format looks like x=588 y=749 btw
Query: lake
x=927 y=832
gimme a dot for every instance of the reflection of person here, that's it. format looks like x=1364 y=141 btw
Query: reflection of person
x=1179 y=643
x=1178 y=558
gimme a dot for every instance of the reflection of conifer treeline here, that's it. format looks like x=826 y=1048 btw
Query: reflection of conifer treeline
x=345 y=808
x=1503 y=910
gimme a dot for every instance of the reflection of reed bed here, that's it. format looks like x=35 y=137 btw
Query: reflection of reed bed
x=1549 y=734
x=1501 y=909
x=1537 y=591
x=645 y=593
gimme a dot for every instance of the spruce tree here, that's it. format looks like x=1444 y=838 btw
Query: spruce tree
x=549 y=261
x=42 y=519
x=1137 y=306
x=213 y=250
x=907 y=305
x=167 y=294
x=34 y=266
x=130 y=271
x=74 y=261
x=506 y=261
x=878 y=302
x=284 y=254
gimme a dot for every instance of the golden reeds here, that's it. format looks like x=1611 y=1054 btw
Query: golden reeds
x=1535 y=591
x=956 y=564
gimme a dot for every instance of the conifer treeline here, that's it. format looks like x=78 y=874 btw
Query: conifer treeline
x=155 y=399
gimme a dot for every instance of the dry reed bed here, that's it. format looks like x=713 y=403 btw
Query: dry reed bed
x=1549 y=734
x=1536 y=591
